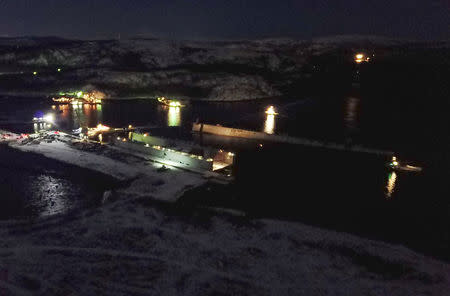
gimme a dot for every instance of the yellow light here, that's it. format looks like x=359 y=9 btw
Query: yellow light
x=50 y=118
x=130 y=126
x=102 y=128
x=395 y=163
x=271 y=111
x=174 y=104
x=35 y=73
x=360 y=56
x=174 y=116
x=391 y=183
x=269 y=124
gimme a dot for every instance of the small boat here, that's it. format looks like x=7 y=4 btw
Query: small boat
x=170 y=103
x=396 y=166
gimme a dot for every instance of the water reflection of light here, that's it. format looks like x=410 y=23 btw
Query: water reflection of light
x=174 y=116
x=269 y=124
x=351 y=113
x=390 y=187
x=37 y=127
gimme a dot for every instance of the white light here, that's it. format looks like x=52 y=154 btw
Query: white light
x=49 y=118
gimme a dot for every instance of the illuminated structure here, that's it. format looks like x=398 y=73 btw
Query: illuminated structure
x=47 y=118
x=395 y=165
x=174 y=116
x=93 y=97
x=269 y=124
x=361 y=57
x=177 y=153
x=170 y=103
x=271 y=111
x=100 y=128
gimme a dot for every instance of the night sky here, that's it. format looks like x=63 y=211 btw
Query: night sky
x=203 y=19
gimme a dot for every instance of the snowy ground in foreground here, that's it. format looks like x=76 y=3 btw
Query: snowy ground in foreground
x=135 y=247
x=145 y=177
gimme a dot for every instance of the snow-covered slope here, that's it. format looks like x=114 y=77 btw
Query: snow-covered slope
x=141 y=243
x=137 y=247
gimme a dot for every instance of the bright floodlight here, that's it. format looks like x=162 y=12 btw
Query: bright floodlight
x=174 y=104
x=359 y=56
x=271 y=111
x=50 y=118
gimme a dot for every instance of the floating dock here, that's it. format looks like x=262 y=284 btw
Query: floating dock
x=176 y=153
x=254 y=135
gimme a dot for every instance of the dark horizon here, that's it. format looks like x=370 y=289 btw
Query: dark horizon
x=177 y=19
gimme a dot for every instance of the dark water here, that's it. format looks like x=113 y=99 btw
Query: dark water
x=32 y=186
x=344 y=191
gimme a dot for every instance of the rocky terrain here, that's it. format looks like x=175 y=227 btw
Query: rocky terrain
x=209 y=70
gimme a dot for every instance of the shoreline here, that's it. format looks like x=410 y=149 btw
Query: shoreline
x=211 y=248
x=145 y=177
x=41 y=95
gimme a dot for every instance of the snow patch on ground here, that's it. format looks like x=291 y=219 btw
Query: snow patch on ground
x=146 y=178
x=135 y=247
x=138 y=246
x=63 y=152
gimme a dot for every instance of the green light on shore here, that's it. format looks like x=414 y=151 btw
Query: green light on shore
x=35 y=73
x=59 y=69
x=79 y=94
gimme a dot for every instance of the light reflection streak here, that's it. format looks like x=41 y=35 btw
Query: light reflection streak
x=269 y=124
x=174 y=116
x=351 y=113
x=390 y=187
